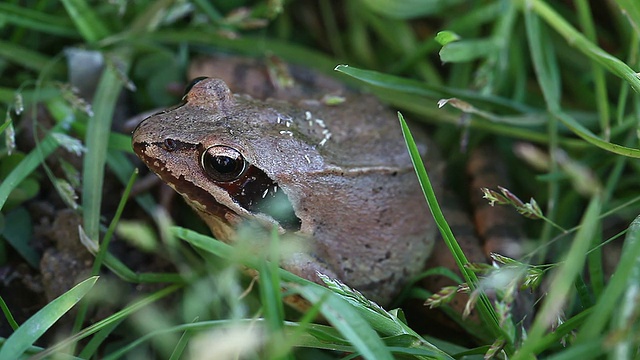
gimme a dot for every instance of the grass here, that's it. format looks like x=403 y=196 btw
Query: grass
x=562 y=76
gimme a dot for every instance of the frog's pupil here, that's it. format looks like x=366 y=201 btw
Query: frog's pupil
x=224 y=164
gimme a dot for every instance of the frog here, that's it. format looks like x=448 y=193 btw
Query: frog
x=336 y=174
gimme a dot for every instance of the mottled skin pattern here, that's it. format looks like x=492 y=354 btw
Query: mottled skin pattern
x=344 y=169
x=353 y=191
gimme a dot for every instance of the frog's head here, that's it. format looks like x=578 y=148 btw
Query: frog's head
x=221 y=154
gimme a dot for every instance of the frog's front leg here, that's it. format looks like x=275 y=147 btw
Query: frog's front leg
x=307 y=266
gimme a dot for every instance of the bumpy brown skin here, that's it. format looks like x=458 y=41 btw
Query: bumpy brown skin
x=360 y=205
x=492 y=229
x=356 y=194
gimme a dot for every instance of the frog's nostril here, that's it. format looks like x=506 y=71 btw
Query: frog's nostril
x=169 y=144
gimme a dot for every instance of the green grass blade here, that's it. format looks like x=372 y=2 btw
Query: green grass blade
x=178 y=351
x=563 y=331
x=102 y=324
x=334 y=309
x=624 y=316
x=209 y=10
x=346 y=319
x=246 y=45
x=86 y=20
x=631 y=8
x=270 y=292
x=5 y=125
x=104 y=244
x=361 y=327
x=122 y=167
x=583 y=292
x=591 y=350
x=93 y=170
x=586 y=21
x=24 y=17
x=410 y=94
x=409 y=86
x=29 y=97
x=125 y=273
x=18 y=230
x=290 y=330
x=625 y=280
x=484 y=308
x=41 y=321
x=468 y=50
x=563 y=280
x=151 y=18
x=24 y=56
x=93 y=346
x=409 y=9
x=117 y=141
x=7 y=314
x=544 y=61
x=391 y=324
x=587 y=135
x=313 y=336
x=226 y=251
x=580 y=42
x=27 y=166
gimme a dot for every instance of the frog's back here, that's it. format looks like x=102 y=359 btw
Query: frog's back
x=352 y=128
x=346 y=171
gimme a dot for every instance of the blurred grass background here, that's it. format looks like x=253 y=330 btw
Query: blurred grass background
x=557 y=74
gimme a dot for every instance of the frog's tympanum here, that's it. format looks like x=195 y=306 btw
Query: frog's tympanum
x=338 y=176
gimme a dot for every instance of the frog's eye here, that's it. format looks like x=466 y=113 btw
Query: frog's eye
x=192 y=84
x=222 y=163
